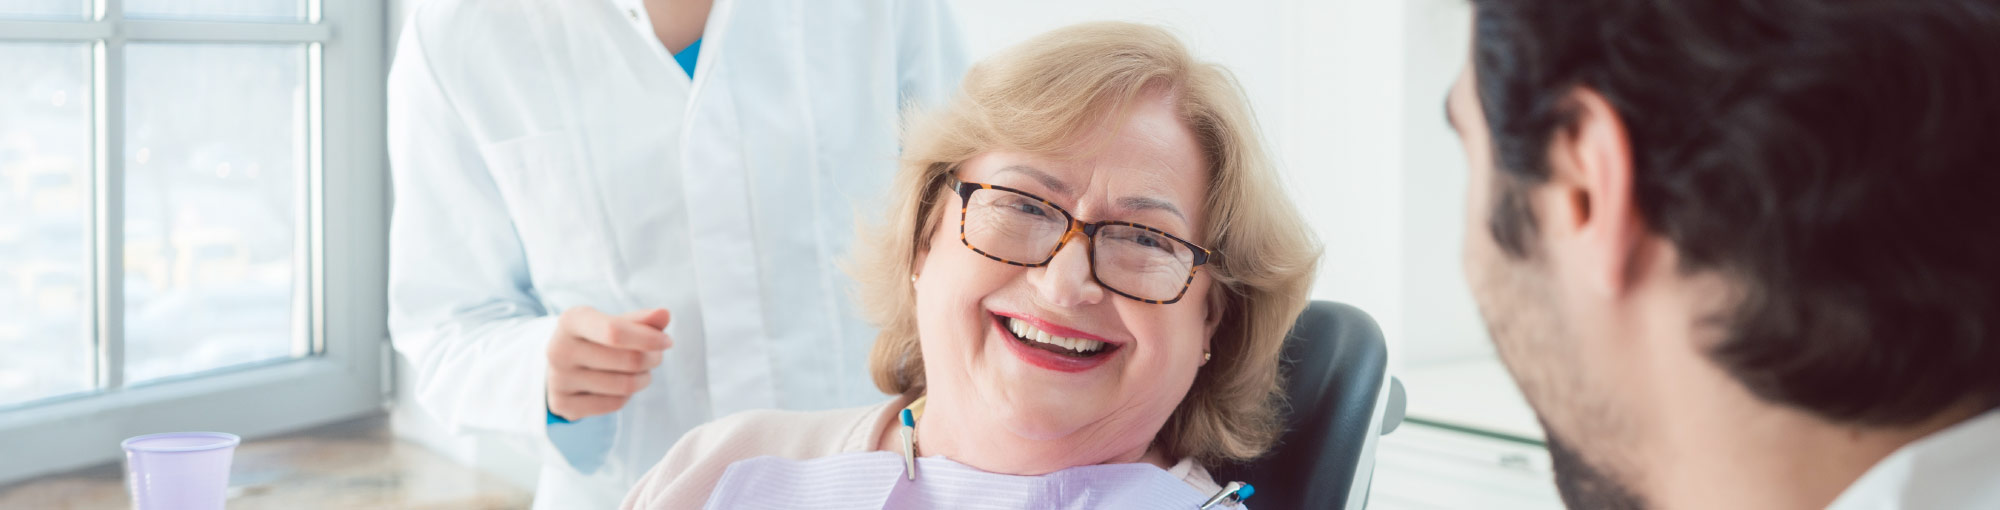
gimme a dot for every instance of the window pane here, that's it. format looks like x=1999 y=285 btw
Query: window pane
x=217 y=10
x=214 y=157
x=44 y=9
x=45 y=172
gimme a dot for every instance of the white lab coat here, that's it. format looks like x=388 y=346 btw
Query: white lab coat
x=1951 y=469
x=550 y=154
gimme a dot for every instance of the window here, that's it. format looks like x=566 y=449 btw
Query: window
x=193 y=215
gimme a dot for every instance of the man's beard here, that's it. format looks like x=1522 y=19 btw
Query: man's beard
x=1539 y=352
x=1582 y=485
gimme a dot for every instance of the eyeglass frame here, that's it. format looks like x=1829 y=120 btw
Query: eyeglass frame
x=1089 y=230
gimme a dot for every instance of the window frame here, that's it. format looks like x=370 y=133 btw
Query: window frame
x=345 y=253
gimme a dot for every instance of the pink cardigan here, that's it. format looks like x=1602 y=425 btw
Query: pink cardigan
x=690 y=470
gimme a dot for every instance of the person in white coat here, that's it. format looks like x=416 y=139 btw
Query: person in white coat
x=596 y=247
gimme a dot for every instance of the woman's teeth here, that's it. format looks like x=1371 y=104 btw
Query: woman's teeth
x=1029 y=333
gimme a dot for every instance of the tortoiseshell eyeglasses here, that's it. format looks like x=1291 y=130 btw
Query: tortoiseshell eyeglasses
x=1132 y=260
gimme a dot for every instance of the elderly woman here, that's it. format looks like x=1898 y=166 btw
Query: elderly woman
x=1088 y=273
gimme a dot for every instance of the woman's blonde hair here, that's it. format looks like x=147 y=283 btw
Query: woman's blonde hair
x=1045 y=96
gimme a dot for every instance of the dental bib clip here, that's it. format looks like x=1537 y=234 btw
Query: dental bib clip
x=1230 y=496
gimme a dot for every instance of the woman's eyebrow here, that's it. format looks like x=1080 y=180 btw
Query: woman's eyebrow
x=1144 y=203
x=1050 y=181
x=1062 y=188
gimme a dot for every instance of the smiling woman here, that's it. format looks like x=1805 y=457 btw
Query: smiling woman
x=1105 y=117
x=1107 y=308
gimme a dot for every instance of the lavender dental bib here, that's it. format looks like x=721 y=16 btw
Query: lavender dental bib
x=874 y=480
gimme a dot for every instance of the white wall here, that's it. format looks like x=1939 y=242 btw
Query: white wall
x=1440 y=322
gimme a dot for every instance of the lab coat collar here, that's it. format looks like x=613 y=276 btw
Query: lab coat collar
x=1958 y=467
x=641 y=20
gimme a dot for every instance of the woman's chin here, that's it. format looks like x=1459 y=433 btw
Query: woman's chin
x=1041 y=427
x=1048 y=412
x=1039 y=442
x=1031 y=447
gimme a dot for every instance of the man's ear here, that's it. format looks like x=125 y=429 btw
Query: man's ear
x=1592 y=218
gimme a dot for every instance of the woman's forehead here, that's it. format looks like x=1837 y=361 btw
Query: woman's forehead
x=1151 y=160
x=1090 y=184
x=1129 y=191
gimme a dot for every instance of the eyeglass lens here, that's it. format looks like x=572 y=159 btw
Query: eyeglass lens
x=1025 y=230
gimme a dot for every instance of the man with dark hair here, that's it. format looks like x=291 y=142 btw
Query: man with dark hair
x=1744 y=253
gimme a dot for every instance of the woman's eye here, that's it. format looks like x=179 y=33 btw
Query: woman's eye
x=1147 y=240
x=1024 y=206
x=1029 y=208
x=1151 y=241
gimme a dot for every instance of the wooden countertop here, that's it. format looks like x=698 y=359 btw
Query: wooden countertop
x=352 y=464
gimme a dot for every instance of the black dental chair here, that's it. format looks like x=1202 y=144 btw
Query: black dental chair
x=1341 y=400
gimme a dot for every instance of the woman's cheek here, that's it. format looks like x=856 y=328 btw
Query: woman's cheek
x=1179 y=326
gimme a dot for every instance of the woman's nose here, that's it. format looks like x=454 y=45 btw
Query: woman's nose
x=1066 y=281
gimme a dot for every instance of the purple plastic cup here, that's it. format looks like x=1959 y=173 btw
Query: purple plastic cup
x=179 y=470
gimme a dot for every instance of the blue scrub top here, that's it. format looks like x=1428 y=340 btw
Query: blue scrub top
x=686 y=58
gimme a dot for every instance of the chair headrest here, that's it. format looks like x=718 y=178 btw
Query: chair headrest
x=1334 y=365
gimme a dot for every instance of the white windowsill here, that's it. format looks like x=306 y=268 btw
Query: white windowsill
x=1474 y=394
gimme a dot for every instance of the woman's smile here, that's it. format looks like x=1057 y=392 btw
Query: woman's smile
x=1051 y=346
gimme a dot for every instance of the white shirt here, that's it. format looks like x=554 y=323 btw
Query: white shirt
x=549 y=154
x=1954 y=468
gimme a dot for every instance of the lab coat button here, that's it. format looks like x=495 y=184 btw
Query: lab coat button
x=632 y=13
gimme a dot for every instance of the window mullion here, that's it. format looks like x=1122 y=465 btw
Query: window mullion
x=308 y=296
x=109 y=207
x=78 y=31
x=223 y=31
